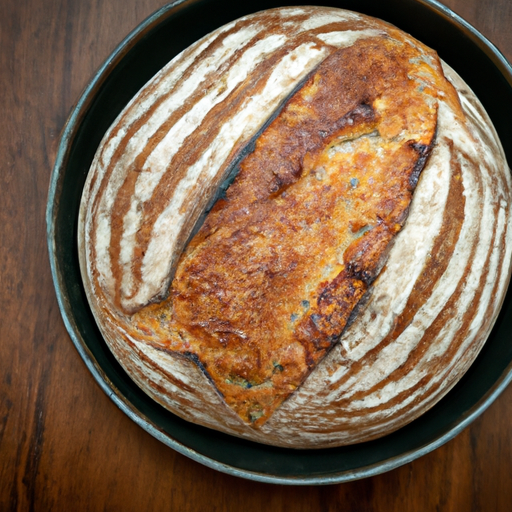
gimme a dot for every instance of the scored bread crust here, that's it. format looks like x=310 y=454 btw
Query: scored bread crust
x=433 y=304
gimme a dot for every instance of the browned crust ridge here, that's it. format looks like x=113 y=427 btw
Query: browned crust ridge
x=267 y=286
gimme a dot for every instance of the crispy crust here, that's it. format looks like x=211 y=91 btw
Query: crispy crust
x=293 y=230
x=278 y=270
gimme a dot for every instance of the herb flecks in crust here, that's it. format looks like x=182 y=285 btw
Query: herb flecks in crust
x=268 y=284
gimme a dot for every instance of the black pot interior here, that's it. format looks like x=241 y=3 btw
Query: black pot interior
x=148 y=49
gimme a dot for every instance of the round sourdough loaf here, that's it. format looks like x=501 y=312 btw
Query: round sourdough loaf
x=298 y=232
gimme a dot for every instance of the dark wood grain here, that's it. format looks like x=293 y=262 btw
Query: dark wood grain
x=63 y=444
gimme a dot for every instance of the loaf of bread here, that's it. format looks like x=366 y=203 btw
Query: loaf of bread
x=299 y=231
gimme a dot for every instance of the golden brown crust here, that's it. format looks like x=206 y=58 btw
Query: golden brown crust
x=281 y=264
x=327 y=188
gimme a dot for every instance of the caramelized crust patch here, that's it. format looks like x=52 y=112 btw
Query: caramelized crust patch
x=268 y=284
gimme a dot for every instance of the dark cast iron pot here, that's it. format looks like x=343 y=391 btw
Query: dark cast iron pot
x=147 y=49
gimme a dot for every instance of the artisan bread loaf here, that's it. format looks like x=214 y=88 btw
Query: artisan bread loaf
x=298 y=232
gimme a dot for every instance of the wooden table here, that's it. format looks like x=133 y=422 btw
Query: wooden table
x=63 y=444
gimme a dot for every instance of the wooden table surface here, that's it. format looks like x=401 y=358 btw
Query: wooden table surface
x=63 y=444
